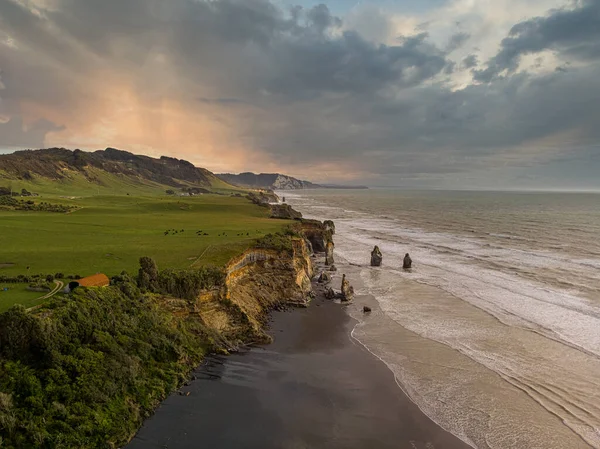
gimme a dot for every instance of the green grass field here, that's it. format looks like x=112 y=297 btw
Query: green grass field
x=110 y=233
x=17 y=294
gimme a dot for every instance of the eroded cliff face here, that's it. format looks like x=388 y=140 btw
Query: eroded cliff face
x=320 y=237
x=257 y=281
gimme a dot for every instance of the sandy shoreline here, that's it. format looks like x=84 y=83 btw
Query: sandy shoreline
x=315 y=386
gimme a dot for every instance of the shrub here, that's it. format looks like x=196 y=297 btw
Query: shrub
x=187 y=284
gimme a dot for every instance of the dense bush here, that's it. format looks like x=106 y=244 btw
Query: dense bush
x=184 y=284
x=187 y=284
x=89 y=371
x=8 y=202
x=40 y=285
x=32 y=277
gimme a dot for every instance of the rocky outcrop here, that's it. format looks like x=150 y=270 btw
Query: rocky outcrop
x=376 y=257
x=324 y=278
x=347 y=290
x=256 y=282
x=329 y=253
x=366 y=309
x=284 y=211
x=330 y=293
x=320 y=236
x=407 y=262
x=329 y=226
x=263 y=198
x=261 y=279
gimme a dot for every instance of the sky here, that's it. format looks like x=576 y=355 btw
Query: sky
x=414 y=93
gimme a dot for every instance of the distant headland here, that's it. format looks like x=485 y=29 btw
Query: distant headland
x=277 y=181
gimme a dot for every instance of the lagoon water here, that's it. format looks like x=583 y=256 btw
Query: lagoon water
x=495 y=333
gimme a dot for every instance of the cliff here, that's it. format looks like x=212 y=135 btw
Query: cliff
x=276 y=181
x=256 y=282
x=273 y=181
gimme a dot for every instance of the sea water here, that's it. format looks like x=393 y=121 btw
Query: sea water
x=495 y=332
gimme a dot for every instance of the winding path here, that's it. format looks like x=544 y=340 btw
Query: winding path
x=59 y=286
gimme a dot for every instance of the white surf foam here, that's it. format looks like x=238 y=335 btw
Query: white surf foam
x=545 y=340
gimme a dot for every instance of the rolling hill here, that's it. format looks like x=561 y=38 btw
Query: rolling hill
x=59 y=170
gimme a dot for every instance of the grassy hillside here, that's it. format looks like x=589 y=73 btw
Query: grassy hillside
x=109 y=233
x=62 y=171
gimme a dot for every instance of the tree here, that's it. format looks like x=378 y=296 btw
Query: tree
x=148 y=274
x=170 y=192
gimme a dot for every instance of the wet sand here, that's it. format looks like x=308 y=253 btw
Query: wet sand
x=314 y=387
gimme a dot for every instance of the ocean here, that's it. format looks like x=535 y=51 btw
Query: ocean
x=495 y=332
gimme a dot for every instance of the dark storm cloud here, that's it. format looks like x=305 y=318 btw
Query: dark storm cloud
x=470 y=61
x=456 y=41
x=574 y=33
x=300 y=87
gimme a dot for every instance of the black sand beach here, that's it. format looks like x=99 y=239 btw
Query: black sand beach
x=314 y=387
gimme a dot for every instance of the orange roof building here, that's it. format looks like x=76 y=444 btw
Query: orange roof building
x=97 y=280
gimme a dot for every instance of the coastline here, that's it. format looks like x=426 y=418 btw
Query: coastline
x=314 y=386
x=480 y=374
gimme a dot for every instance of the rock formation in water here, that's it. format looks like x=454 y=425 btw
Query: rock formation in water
x=366 y=309
x=332 y=268
x=329 y=253
x=347 y=289
x=329 y=293
x=376 y=257
x=329 y=226
x=324 y=278
x=407 y=262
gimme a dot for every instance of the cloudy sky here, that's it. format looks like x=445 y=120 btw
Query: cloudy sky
x=440 y=93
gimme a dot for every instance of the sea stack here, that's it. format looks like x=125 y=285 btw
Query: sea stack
x=347 y=290
x=407 y=262
x=376 y=257
x=329 y=293
x=324 y=278
x=329 y=253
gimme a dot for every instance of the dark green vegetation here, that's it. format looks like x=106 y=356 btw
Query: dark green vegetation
x=11 y=203
x=185 y=284
x=85 y=371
